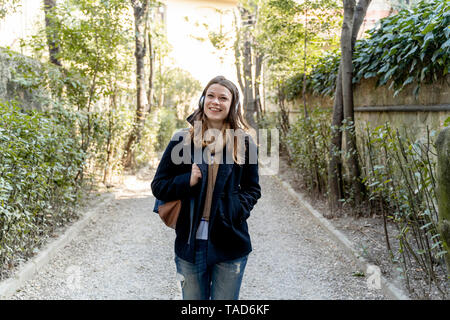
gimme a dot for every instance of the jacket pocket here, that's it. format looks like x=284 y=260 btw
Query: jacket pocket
x=230 y=209
x=234 y=208
x=224 y=214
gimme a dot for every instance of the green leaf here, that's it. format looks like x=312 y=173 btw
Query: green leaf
x=384 y=68
x=358 y=274
x=416 y=91
x=426 y=225
x=436 y=54
x=408 y=80
x=369 y=75
x=423 y=73
x=446 y=44
x=429 y=37
x=436 y=245
x=429 y=29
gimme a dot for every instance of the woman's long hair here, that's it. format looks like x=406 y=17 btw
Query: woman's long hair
x=234 y=120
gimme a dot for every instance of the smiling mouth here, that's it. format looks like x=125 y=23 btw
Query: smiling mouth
x=214 y=109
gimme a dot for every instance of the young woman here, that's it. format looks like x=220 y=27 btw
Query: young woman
x=212 y=241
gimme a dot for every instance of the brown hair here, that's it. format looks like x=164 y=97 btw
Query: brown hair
x=234 y=120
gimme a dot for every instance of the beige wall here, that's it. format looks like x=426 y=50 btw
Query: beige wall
x=21 y=24
x=200 y=58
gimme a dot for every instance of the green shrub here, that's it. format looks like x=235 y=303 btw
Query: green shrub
x=308 y=144
x=399 y=178
x=40 y=159
x=146 y=150
x=321 y=80
x=168 y=124
x=323 y=76
x=268 y=121
x=399 y=175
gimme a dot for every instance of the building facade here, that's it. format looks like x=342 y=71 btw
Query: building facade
x=189 y=24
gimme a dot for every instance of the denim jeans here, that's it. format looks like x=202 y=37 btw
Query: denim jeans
x=221 y=281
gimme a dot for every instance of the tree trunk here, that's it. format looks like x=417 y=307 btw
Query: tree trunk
x=237 y=55
x=284 y=112
x=150 y=77
x=51 y=32
x=258 y=67
x=335 y=166
x=305 y=109
x=358 y=18
x=347 y=98
x=109 y=146
x=249 y=110
x=283 y=119
x=352 y=23
x=140 y=9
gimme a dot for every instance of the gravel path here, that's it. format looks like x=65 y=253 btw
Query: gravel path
x=125 y=252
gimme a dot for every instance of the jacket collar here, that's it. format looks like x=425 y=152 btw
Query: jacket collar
x=190 y=118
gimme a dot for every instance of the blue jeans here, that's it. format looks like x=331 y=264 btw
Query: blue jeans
x=221 y=281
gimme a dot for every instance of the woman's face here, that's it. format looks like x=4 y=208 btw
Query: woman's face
x=217 y=103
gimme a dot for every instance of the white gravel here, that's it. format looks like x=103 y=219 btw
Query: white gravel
x=126 y=252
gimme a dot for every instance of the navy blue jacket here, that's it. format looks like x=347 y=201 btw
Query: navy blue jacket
x=235 y=193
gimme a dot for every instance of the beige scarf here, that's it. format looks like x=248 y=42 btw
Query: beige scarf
x=215 y=149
